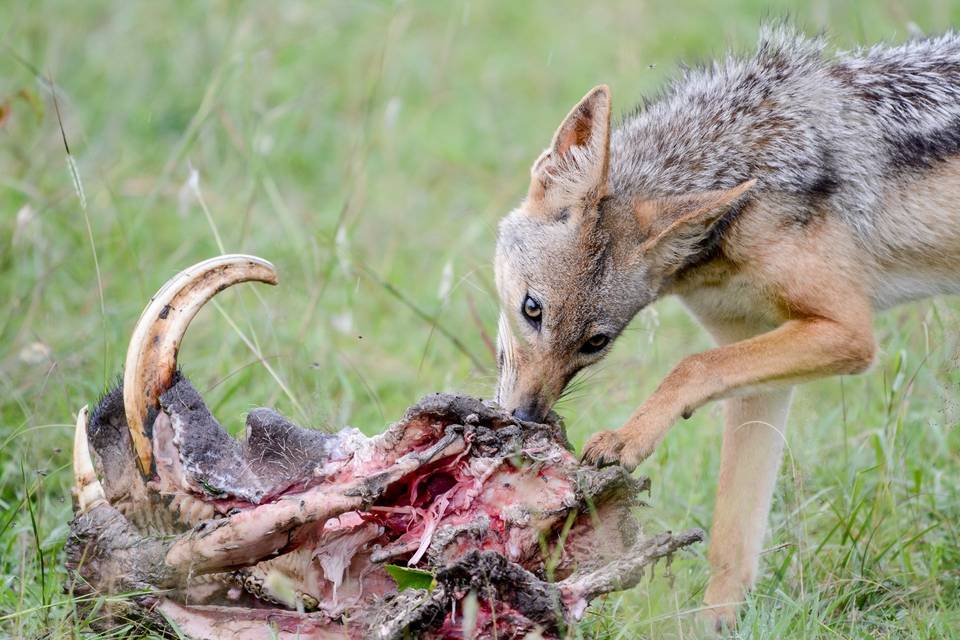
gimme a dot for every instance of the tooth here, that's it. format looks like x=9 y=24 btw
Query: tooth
x=87 y=487
x=152 y=354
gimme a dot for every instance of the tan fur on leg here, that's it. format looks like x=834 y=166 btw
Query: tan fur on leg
x=753 y=441
x=796 y=351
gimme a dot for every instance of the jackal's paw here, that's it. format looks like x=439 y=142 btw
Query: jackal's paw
x=723 y=598
x=717 y=620
x=615 y=447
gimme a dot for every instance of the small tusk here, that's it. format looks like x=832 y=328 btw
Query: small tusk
x=152 y=355
x=87 y=487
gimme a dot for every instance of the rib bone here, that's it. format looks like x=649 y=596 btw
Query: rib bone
x=152 y=354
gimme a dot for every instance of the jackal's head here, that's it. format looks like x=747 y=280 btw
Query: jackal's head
x=574 y=263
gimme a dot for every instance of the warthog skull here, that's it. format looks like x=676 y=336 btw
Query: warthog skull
x=287 y=531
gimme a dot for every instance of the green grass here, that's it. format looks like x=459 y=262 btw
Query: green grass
x=368 y=149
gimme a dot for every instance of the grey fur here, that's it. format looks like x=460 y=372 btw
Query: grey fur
x=832 y=131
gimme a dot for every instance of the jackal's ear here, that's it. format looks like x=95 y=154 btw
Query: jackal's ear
x=677 y=227
x=575 y=167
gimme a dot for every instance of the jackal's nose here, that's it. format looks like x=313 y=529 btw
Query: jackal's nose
x=529 y=412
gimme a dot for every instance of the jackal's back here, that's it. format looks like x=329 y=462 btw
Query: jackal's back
x=834 y=135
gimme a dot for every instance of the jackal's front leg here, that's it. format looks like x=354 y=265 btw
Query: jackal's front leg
x=796 y=351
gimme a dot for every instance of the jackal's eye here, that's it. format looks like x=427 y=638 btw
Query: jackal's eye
x=595 y=343
x=532 y=311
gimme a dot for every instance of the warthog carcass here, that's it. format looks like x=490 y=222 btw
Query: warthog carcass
x=288 y=530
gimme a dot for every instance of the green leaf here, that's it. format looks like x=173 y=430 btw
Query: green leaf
x=409 y=578
x=210 y=489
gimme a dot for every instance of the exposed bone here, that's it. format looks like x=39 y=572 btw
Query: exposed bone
x=152 y=355
x=247 y=537
x=577 y=591
x=86 y=486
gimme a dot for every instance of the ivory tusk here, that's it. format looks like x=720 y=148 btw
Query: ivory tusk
x=87 y=487
x=152 y=355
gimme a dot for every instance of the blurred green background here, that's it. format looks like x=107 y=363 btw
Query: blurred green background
x=368 y=150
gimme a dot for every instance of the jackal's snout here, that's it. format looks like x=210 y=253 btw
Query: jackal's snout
x=531 y=377
x=530 y=410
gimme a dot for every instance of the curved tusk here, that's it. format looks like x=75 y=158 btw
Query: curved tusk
x=152 y=354
x=87 y=487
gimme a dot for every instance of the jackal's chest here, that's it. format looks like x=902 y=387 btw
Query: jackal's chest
x=718 y=294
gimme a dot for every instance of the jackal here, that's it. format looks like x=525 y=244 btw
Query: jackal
x=784 y=197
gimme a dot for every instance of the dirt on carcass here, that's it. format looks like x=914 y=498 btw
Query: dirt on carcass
x=287 y=532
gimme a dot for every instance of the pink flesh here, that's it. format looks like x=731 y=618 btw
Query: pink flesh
x=214 y=623
x=493 y=620
x=334 y=564
x=460 y=491
x=449 y=494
